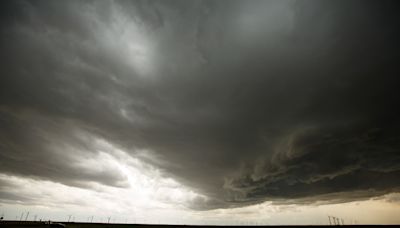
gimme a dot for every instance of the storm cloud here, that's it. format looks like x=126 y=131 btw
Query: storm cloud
x=241 y=101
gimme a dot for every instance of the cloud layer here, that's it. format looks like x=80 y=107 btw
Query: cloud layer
x=243 y=102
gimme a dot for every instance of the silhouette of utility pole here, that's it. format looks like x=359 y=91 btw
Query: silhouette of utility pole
x=329 y=217
x=22 y=215
x=26 y=218
x=109 y=219
x=69 y=217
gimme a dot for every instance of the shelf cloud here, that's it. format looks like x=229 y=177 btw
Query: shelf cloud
x=240 y=101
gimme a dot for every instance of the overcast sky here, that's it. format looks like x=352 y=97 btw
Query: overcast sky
x=200 y=112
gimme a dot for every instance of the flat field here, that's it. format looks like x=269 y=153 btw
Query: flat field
x=19 y=224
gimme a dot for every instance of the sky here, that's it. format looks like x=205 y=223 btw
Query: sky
x=200 y=112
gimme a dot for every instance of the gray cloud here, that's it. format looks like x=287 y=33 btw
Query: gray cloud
x=288 y=101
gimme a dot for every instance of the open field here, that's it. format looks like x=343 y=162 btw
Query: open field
x=18 y=224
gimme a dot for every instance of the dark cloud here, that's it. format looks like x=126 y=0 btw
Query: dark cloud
x=34 y=146
x=288 y=101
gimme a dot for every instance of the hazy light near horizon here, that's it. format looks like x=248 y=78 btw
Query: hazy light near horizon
x=143 y=193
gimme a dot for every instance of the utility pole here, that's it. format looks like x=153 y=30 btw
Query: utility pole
x=69 y=217
x=26 y=218
x=22 y=215
x=329 y=217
